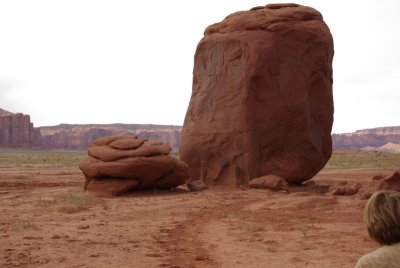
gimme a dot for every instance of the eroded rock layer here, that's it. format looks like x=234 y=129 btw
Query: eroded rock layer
x=118 y=164
x=261 y=100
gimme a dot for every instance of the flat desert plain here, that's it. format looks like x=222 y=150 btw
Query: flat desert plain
x=46 y=221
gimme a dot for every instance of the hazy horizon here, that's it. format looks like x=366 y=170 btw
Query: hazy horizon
x=103 y=62
x=181 y=125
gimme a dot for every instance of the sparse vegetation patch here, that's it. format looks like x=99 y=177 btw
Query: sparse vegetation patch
x=21 y=225
x=38 y=158
x=346 y=158
x=68 y=202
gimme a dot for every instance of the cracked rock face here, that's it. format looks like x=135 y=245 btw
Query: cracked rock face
x=261 y=100
x=118 y=164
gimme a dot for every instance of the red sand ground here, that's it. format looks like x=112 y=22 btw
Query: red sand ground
x=306 y=227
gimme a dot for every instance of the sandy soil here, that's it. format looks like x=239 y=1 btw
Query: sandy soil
x=307 y=227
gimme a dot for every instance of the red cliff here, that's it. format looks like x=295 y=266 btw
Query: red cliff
x=16 y=130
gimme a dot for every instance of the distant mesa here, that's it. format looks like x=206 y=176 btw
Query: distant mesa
x=388 y=147
x=79 y=137
x=385 y=139
x=261 y=99
x=16 y=130
x=116 y=165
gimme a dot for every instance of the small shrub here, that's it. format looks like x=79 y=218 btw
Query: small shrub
x=69 y=202
x=44 y=202
x=353 y=158
x=21 y=225
x=304 y=230
x=73 y=202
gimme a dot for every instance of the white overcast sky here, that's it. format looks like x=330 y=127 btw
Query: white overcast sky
x=114 y=61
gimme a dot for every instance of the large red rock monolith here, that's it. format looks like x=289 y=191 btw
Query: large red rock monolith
x=261 y=101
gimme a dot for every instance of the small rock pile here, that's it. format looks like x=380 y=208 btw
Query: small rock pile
x=118 y=164
x=345 y=188
x=378 y=183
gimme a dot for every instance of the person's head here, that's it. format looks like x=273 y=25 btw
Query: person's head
x=382 y=217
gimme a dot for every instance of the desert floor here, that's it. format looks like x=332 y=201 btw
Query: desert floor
x=47 y=222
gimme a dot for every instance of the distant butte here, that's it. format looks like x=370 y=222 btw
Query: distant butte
x=16 y=130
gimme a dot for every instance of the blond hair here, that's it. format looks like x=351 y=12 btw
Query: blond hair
x=382 y=217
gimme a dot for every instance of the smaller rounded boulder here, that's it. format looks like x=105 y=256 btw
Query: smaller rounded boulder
x=116 y=165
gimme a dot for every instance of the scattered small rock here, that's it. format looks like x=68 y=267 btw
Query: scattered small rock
x=197 y=185
x=244 y=187
x=154 y=255
x=391 y=182
x=201 y=258
x=309 y=183
x=272 y=182
x=183 y=187
x=33 y=237
x=345 y=188
x=378 y=177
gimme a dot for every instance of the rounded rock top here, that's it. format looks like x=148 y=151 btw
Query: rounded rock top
x=272 y=17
